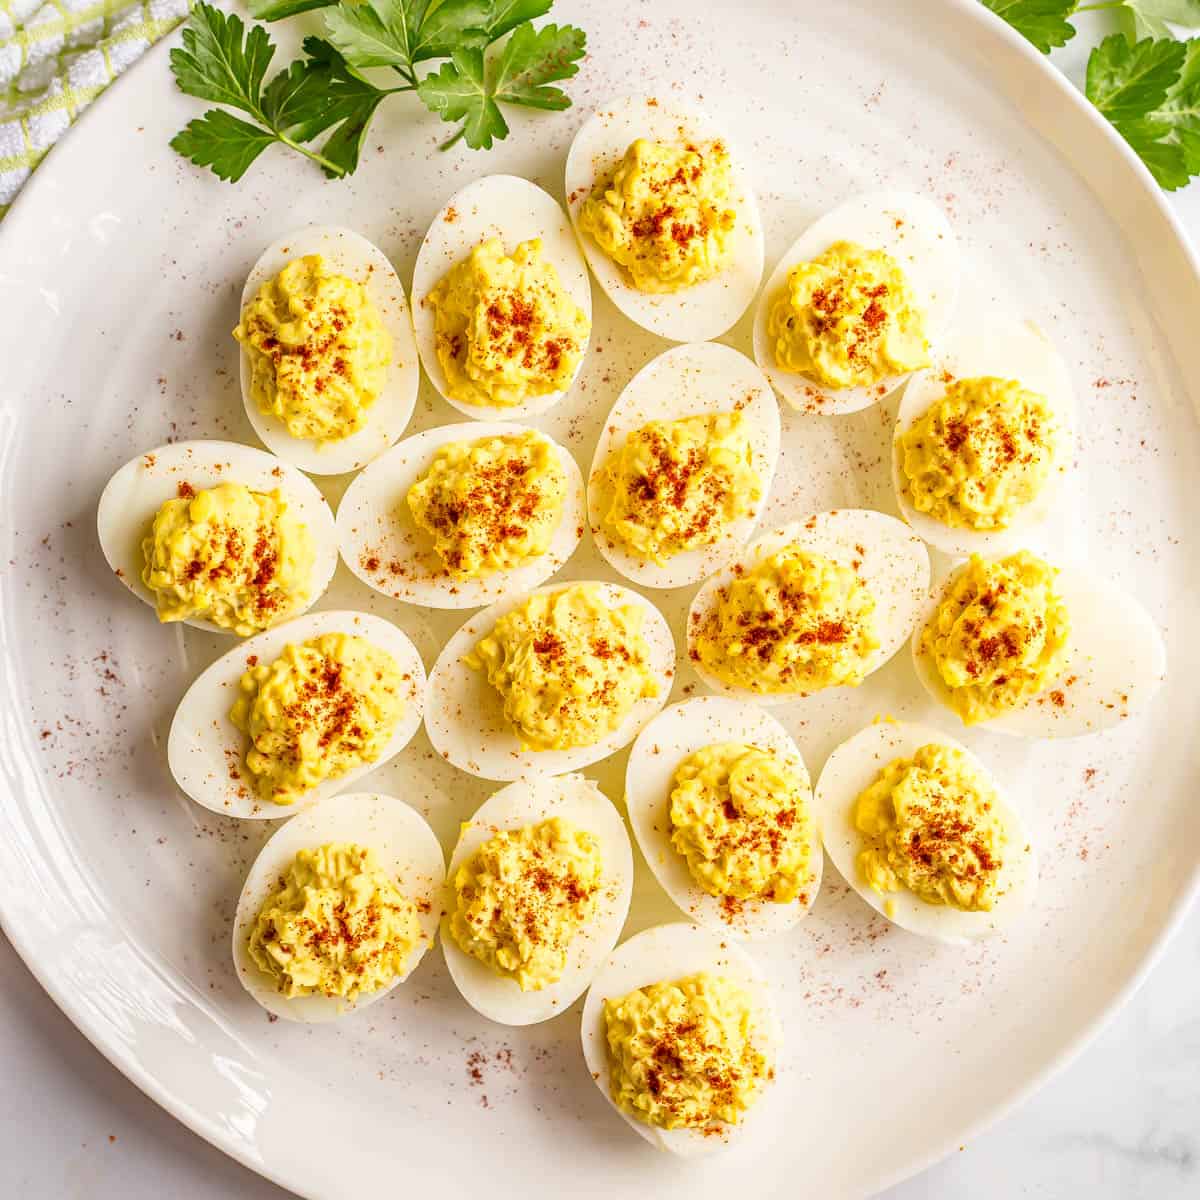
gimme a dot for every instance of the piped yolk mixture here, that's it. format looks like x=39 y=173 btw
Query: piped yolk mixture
x=228 y=555
x=322 y=708
x=506 y=330
x=932 y=824
x=740 y=818
x=795 y=622
x=492 y=504
x=568 y=666
x=665 y=215
x=999 y=636
x=847 y=319
x=679 y=485
x=685 y=1054
x=337 y=925
x=319 y=352
x=979 y=455
x=523 y=897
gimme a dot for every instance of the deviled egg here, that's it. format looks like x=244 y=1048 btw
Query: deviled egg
x=339 y=907
x=858 y=302
x=536 y=895
x=819 y=603
x=502 y=303
x=296 y=714
x=1036 y=650
x=922 y=831
x=666 y=216
x=549 y=682
x=461 y=515
x=720 y=803
x=683 y=465
x=681 y=1037
x=329 y=364
x=984 y=439
x=217 y=535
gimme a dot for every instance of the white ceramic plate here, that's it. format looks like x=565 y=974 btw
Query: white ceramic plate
x=120 y=268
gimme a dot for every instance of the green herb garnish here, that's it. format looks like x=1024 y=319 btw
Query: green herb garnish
x=1142 y=80
x=326 y=95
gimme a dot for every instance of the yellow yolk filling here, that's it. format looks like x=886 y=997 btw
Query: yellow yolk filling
x=980 y=454
x=322 y=708
x=678 y=485
x=796 y=623
x=523 y=896
x=847 y=319
x=740 y=818
x=506 y=330
x=336 y=926
x=999 y=635
x=492 y=504
x=685 y=1054
x=665 y=215
x=237 y=558
x=932 y=824
x=568 y=666
x=319 y=352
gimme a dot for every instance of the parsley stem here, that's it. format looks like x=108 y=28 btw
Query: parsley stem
x=453 y=140
x=319 y=159
x=1097 y=7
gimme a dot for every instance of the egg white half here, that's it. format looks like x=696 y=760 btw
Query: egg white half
x=515 y=211
x=205 y=748
x=465 y=717
x=1116 y=662
x=350 y=254
x=910 y=228
x=133 y=496
x=697 y=313
x=664 y=954
x=585 y=806
x=384 y=547
x=672 y=736
x=405 y=847
x=1005 y=349
x=850 y=770
x=891 y=560
x=686 y=381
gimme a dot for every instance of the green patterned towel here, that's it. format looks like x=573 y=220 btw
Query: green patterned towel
x=56 y=57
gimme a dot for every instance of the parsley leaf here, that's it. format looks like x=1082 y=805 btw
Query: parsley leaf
x=495 y=56
x=220 y=61
x=532 y=59
x=1126 y=82
x=508 y=14
x=400 y=33
x=1149 y=18
x=1150 y=91
x=469 y=88
x=350 y=103
x=276 y=10
x=459 y=92
x=452 y=25
x=223 y=142
x=1043 y=22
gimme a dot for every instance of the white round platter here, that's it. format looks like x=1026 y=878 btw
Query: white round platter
x=120 y=270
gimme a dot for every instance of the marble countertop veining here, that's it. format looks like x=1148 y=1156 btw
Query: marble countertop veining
x=1122 y=1122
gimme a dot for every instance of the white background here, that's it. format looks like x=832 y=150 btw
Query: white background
x=1121 y=1123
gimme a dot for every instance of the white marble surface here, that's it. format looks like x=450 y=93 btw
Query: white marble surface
x=1120 y=1123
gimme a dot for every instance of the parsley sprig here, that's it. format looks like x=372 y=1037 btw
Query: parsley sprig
x=494 y=56
x=1141 y=79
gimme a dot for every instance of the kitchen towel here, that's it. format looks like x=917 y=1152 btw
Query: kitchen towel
x=56 y=57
